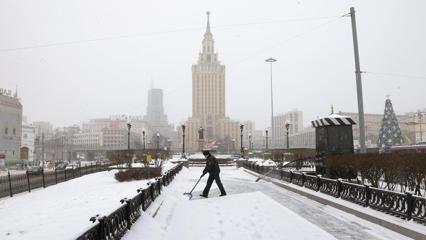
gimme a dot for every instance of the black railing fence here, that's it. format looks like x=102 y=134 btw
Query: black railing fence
x=115 y=225
x=16 y=183
x=403 y=205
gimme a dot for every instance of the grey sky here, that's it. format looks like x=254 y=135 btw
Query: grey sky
x=71 y=83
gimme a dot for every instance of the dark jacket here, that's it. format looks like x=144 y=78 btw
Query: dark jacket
x=212 y=165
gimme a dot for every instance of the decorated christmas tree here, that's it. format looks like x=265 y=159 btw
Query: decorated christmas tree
x=390 y=133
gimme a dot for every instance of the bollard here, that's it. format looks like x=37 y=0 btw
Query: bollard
x=56 y=177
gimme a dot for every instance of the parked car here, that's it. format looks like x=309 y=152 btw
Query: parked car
x=71 y=167
x=34 y=169
x=61 y=166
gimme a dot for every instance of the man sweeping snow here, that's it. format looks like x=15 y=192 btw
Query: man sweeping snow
x=212 y=167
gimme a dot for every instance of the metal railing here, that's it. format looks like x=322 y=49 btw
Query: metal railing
x=116 y=224
x=16 y=183
x=403 y=205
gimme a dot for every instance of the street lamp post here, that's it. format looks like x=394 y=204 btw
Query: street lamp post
x=233 y=146
x=241 y=134
x=183 y=141
x=143 y=139
x=158 y=146
x=270 y=61
x=266 y=140
x=250 y=147
x=200 y=138
x=287 y=126
x=420 y=126
x=129 y=126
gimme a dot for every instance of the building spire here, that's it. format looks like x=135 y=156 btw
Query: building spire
x=208 y=22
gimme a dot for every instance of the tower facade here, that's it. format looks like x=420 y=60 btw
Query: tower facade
x=208 y=101
x=208 y=81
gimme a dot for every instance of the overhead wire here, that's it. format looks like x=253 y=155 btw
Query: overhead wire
x=394 y=75
x=137 y=35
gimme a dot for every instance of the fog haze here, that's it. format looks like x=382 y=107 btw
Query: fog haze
x=71 y=83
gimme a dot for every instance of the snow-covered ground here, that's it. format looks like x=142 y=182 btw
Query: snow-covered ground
x=62 y=211
x=251 y=210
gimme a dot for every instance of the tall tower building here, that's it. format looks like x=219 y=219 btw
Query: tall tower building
x=208 y=101
x=155 y=111
x=208 y=81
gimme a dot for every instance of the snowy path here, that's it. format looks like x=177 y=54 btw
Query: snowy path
x=252 y=210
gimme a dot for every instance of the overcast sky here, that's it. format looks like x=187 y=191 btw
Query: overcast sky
x=70 y=83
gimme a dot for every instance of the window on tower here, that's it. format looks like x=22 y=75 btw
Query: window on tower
x=208 y=58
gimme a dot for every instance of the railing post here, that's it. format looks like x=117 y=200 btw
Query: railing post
x=410 y=205
x=42 y=174
x=128 y=211
x=318 y=183
x=28 y=181
x=339 y=188
x=65 y=172
x=291 y=176
x=303 y=179
x=102 y=228
x=10 y=184
x=281 y=174
x=56 y=177
x=367 y=195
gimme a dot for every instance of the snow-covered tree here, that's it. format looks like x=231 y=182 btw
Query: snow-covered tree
x=390 y=133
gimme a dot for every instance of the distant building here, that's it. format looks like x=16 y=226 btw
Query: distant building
x=156 y=119
x=305 y=138
x=294 y=118
x=28 y=142
x=420 y=126
x=10 y=126
x=372 y=127
x=208 y=102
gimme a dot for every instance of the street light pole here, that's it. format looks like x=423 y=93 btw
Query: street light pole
x=420 y=122
x=128 y=143
x=358 y=85
x=143 y=139
x=158 y=146
x=270 y=61
x=183 y=141
x=250 y=147
x=266 y=140
x=241 y=130
x=287 y=126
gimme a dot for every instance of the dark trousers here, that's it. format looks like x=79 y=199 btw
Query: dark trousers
x=212 y=177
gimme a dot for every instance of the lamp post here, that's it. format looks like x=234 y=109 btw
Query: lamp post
x=250 y=147
x=200 y=138
x=287 y=126
x=270 y=61
x=143 y=139
x=241 y=134
x=233 y=146
x=158 y=145
x=183 y=141
x=420 y=122
x=266 y=140
x=129 y=126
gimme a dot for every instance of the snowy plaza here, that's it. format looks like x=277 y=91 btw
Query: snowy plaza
x=251 y=210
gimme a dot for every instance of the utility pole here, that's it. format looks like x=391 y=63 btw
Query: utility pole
x=420 y=122
x=270 y=61
x=42 y=150
x=358 y=85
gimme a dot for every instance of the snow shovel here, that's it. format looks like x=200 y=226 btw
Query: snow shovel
x=264 y=175
x=190 y=193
